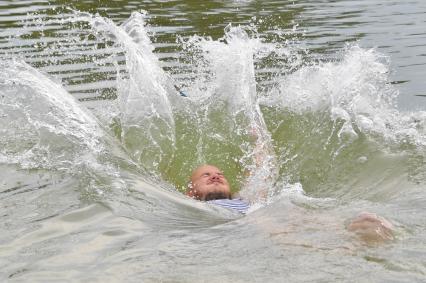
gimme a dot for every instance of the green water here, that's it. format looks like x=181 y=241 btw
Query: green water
x=90 y=189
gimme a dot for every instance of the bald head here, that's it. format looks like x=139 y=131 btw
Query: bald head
x=207 y=183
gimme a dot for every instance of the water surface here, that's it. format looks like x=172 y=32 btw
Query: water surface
x=97 y=143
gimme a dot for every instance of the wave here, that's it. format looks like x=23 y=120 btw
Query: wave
x=324 y=125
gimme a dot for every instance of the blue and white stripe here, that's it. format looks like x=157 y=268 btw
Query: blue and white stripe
x=235 y=204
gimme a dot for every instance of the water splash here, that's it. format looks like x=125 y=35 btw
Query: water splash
x=145 y=114
x=43 y=127
x=136 y=102
x=36 y=111
x=230 y=92
x=315 y=118
x=332 y=122
x=355 y=90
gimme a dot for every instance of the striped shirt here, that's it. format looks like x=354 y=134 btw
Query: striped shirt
x=235 y=204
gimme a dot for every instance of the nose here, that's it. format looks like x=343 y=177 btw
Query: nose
x=215 y=176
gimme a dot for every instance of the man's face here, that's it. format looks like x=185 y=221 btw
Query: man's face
x=207 y=183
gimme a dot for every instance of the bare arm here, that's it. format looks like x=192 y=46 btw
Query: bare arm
x=263 y=171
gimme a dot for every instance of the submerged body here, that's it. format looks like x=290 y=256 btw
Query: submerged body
x=236 y=204
x=209 y=184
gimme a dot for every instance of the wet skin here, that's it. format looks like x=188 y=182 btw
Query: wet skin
x=207 y=183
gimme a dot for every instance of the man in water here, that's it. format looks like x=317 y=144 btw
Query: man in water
x=210 y=185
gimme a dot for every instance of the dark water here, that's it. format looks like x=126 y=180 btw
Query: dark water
x=96 y=141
